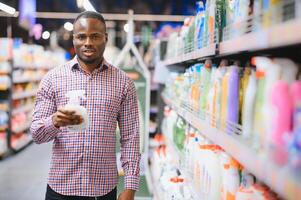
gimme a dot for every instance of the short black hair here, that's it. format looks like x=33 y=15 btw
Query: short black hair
x=90 y=14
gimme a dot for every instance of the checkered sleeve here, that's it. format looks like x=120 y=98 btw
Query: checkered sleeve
x=128 y=120
x=42 y=128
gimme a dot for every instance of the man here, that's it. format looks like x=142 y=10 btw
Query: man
x=83 y=163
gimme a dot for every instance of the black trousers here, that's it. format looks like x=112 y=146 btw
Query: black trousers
x=52 y=195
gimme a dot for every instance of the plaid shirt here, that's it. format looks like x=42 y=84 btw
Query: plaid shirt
x=84 y=163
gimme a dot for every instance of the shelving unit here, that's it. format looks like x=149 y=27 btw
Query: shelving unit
x=279 y=179
x=26 y=80
x=25 y=108
x=200 y=53
x=25 y=94
x=28 y=64
x=279 y=35
x=245 y=41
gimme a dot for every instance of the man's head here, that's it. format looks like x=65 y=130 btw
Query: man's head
x=89 y=37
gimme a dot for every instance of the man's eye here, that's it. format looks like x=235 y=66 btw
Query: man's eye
x=95 y=37
x=81 y=37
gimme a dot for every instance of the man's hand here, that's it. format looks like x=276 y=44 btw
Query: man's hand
x=127 y=195
x=65 y=118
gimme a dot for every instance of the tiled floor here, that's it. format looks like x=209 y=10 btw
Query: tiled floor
x=24 y=175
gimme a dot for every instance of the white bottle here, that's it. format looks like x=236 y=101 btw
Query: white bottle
x=74 y=105
x=248 y=106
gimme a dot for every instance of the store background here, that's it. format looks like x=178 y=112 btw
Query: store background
x=224 y=107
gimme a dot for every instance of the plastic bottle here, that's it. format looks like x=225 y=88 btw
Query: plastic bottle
x=231 y=178
x=290 y=69
x=245 y=191
x=74 y=105
x=295 y=146
x=205 y=83
x=233 y=97
x=248 y=106
x=195 y=89
x=224 y=99
x=217 y=97
x=200 y=20
x=281 y=122
x=207 y=172
x=259 y=128
x=210 y=102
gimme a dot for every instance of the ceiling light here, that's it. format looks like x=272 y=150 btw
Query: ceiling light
x=68 y=26
x=46 y=35
x=126 y=27
x=88 y=6
x=7 y=9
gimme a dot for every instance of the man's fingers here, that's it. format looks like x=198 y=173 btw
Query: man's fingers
x=66 y=112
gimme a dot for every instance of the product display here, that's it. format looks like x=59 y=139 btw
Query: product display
x=233 y=121
x=22 y=67
x=218 y=90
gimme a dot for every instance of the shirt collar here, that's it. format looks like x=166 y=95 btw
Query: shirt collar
x=76 y=66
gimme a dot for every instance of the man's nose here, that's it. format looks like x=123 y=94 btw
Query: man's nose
x=88 y=41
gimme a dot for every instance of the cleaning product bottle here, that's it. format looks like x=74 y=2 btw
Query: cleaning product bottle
x=248 y=106
x=259 y=128
x=205 y=83
x=211 y=182
x=245 y=191
x=290 y=69
x=195 y=89
x=295 y=146
x=233 y=97
x=200 y=20
x=244 y=80
x=217 y=98
x=211 y=98
x=281 y=122
x=231 y=178
x=74 y=105
x=224 y=99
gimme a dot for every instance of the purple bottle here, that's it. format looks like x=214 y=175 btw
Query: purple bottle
x=233 y=98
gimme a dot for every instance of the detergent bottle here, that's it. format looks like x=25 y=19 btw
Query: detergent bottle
x=295 y=146
x=248 y=106
x=233 y=97
x=281 y=122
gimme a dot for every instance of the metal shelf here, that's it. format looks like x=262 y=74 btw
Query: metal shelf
x=21 y=143
x=194 y=55
x=21 y=109
x=27 y=80
x=280 y=35
x=32 y=66
x=23 y=95
x=22 y=127
x=280 y=179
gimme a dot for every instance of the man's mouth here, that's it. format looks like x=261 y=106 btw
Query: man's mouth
x=88 y=52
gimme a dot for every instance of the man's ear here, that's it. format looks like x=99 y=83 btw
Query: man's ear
x=106 y=37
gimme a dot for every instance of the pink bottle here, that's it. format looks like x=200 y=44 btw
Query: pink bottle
x=281 y=124
x=295 y=144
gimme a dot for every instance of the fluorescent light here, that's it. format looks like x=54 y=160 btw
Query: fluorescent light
x=46 y=35
x=88 y=6
x=126 y=27
x=7 y=9
x=79 y=3
x=68 y=26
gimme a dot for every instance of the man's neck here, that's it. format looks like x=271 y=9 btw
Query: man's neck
x=89 y=67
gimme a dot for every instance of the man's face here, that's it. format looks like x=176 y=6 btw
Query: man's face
x=89 y=40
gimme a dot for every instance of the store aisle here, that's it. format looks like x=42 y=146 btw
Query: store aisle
x=24 y=175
